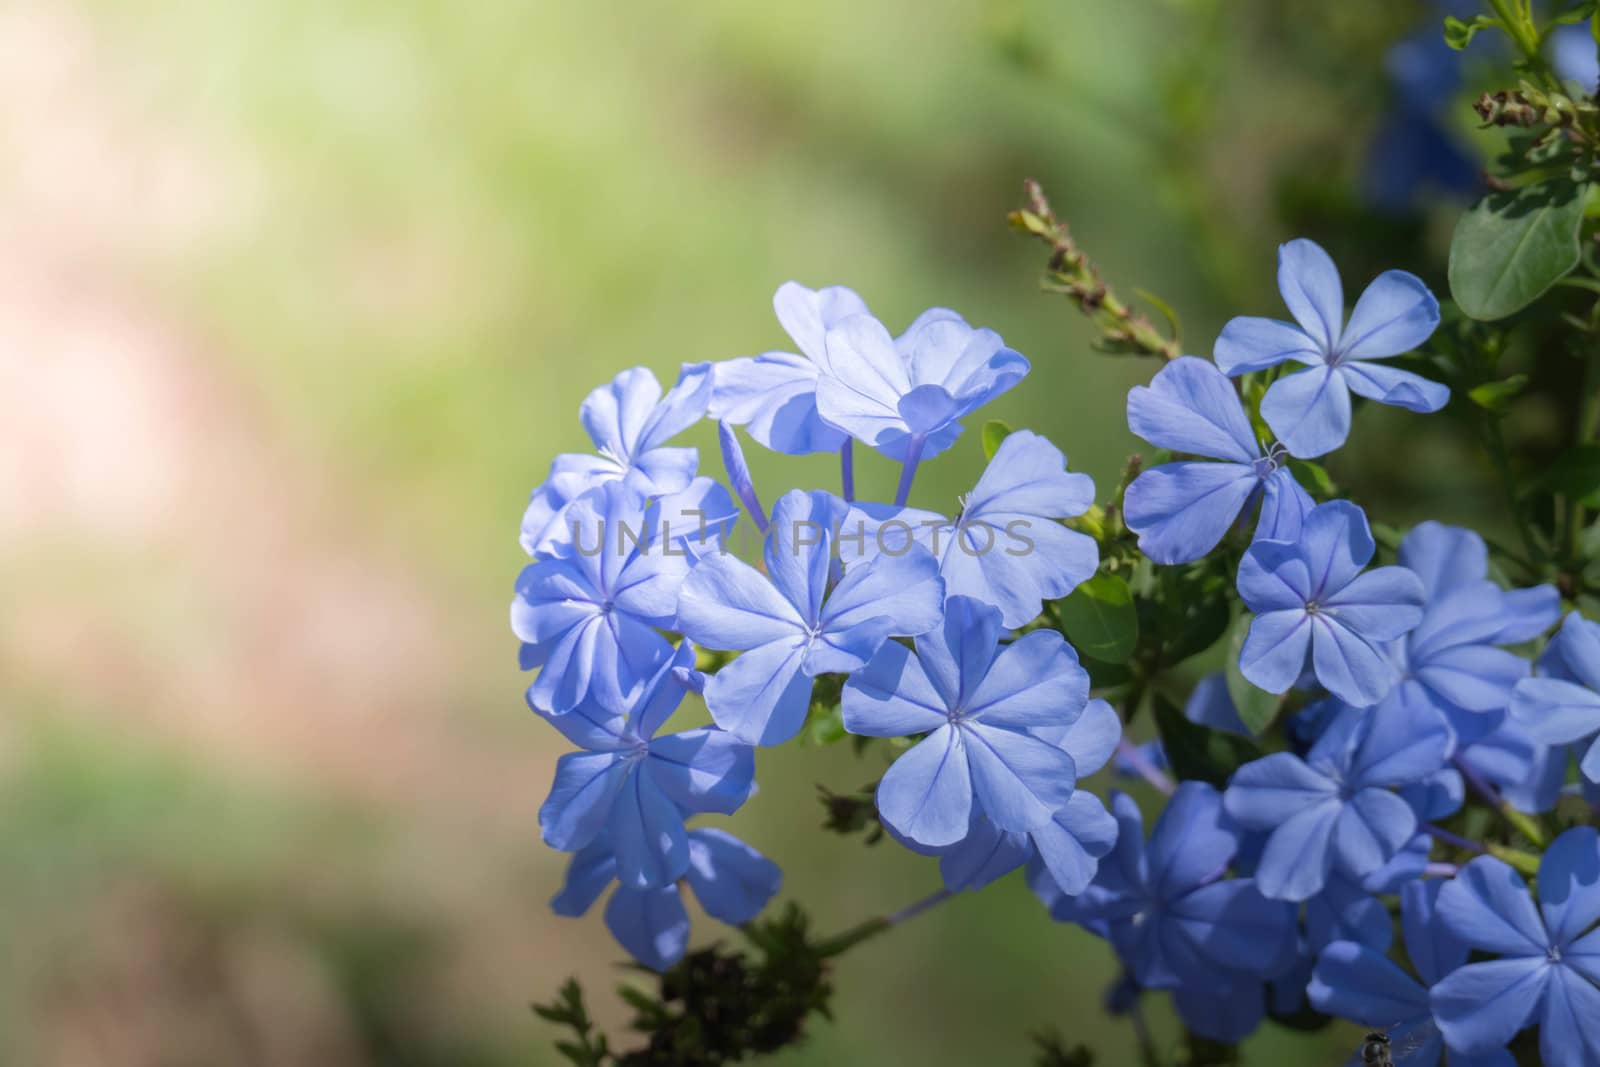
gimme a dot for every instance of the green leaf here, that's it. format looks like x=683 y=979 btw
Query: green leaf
x=1459 y=34
x=1198 y=753
x=994 y=432
x=1575 y=475
x=1257 y=707
x=1494 y=396
x=1511 y=247
x=1100 y=620
x=1314 y=476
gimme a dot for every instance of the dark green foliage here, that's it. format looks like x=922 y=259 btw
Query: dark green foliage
x=852 y=813
x=714 y=1006
x=1197 y=752
x=1053 y=1052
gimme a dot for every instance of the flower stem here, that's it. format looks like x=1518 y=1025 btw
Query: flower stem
x=847 y=470
x=909 y=470
x=1525 y=824
x=1526 y=862
x=843 y=942
x=1135 y=758
x=1440 y=870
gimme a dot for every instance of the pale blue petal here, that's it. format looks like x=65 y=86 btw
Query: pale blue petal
x=798 y=547
x=1569 y=884
x=1093 y=738
x=986 y=854
x=1265 y=792
x=1446 y=558
x=1395 y=314
x=1284 y=507
x=1033 y=683
x=1487 y=905
x=762 y=697
x=1309 y=411
x=647 y=834
x=1374 y=825
x=1337 y=543
x=1273 y=576
x=774 y=397
x=616 y=414
x=651 y=925
x=1569 y=1027
x=1354 y=982
x=585 y=788
x=1580 y=649
x=926 y=795
x=703 y=770
x=1555 y=712
x=732 y=881
x=1402 y=744
x=1210 y=706
x=1310 y=285
x=1028 y=476
x=1476 y=678
x=892 y=697
x=1381 y=604
x=1395 y=387
x=1019 y=780
x=725 y=603
x=1014 y=562
x=905 y=590
x=1191 y=406
x=1233 y=926
x=1194 y=841
x=1348 y=665
x=1299 y=854
x=1530 y=612
x=590 y=871
x=1181 y=510
x=864 y=378
x=1071 y=844
x=1248 y=343
x=1480 y=1007
x=1274 y=651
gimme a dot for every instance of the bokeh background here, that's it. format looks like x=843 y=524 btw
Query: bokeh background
x=297 y=301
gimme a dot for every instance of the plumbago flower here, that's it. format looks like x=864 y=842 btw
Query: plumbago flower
x=1182 y=510
x=979 y=706
x=588 y=619
x=732 y=881
x=1549 y=954
x=1359 y=982
x=1559 y=712
x=1335 y=809
x=1068 y=848
x=1174 y=918
x=904 y=396
x=789 y=625
x=629 y=422
x=1311 y=594
x=774 y=395
x=633 y=786
x=1310 y=409
x=1006 y=547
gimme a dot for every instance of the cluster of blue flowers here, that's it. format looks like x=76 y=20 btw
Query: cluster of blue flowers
x=1261 y=897
x=632 y=577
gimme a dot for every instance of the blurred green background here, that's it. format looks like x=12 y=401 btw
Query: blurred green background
x=297 y=301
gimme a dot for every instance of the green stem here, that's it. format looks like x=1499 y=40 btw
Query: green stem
x=1517 y=18
x=1524 y=823
x=1495 y=444
x=1526 y=862
x=1587 y=427
x=864 y=931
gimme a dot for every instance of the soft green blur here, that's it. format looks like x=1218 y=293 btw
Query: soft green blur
x=298 y=301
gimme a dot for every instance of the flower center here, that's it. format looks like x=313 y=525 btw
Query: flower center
x=1276 y=457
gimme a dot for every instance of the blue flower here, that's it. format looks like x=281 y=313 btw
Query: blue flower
x=774 y=395
x=1335 y=809
x=1006 y=547
x=1310 y=410
x=732 y=881
x=629 y=422
x=1451 y=660
x=1174 y=918
x=1560 y=712
x=1181 y=510
x=904 y=396
x=980 y=708
x=1312 y=594
x=1549 y=957
x=1068 y=848
x=1210 y=705
x=634 y=786
x=588 y=618
x=789 y=625
x=1358 y=982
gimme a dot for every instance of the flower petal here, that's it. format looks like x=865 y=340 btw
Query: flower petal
x=1309 y=411
x=1019 y=780
x=1348 y=665
x=1381 y=604
x=906 y=591
x=1191 y=406
x=1395 y=387
x=774 y=397
x=1555 y=712
x=651 y=924
x=1093 y=738
x=590 y=871
x=1181 y=510
x=732 y=881
x=1569 y=1027
x=1274 y=652
x=1569 y=884
x=703 y=770
x=1487 y=905
x=1395 y=314
x=1310 y=285
x=892 y=696
x=1265 y=792
x=1480 y=1007
x=1356 y=983
x=986 y=854
x=1071 y=843
x=1033 y=683
x=1371 y=829
x=1193 y=842
x=926 y=795
x=725 y=603
x=1299 y=854
x=806 y=315
x=1248 y=343
x=581 y=797
x=762 y=697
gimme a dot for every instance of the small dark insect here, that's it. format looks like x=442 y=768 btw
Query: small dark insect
x=1379 y=1049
